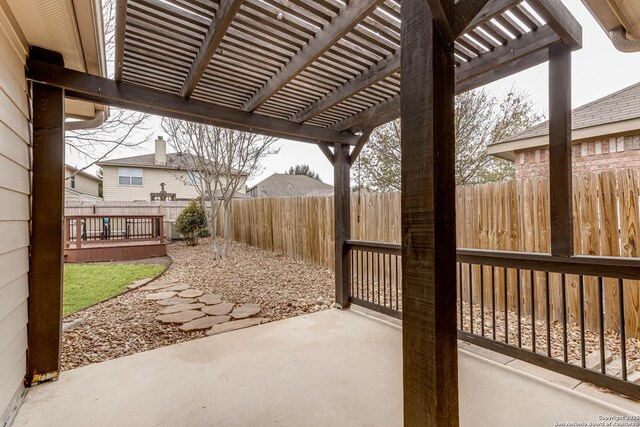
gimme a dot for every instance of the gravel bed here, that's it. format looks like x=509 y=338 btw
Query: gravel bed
x=126 y=324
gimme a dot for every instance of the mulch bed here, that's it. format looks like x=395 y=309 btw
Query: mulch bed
x=127 y=324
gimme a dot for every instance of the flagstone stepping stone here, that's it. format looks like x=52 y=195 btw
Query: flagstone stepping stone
x=203 y=323
x=177 y=287
x=190 y=293
x=138 y=283
x=160 y=296
x=245 y=310
x=176 y=300
x=211 y=299
x=181 y=307
x=182 y=317
x=160 y=284
x=218 y=309
x=235 y=325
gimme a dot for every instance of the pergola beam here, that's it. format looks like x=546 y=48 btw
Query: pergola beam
x=212 y=39
x=352 y=15
x=465 y=12
x=327 y=152
x=121 y=18
x=443 y=12
x=561 y=20
x=364 y=137
x=505 y=60
x=152 y=101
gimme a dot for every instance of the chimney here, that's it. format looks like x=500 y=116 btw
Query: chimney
x=161 y=151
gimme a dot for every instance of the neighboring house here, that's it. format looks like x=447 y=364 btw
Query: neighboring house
x=80 y=185
x=73 y=28
x=284 y=185
x=606 y=135
x=158 y=176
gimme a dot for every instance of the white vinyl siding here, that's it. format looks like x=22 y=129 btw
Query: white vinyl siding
x=14 y=214
x=130 y=176
x=83 y=184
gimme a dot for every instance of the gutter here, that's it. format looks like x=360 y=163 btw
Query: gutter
x=623 y=41
x=96 y=121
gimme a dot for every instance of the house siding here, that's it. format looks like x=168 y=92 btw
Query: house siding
x=588 y=156
x=84 y=185
x=15 y=192
x=174 y=181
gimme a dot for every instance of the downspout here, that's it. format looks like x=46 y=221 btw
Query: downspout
x=622 y=40
x=99 y=119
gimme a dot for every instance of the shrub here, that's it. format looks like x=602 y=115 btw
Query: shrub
x=191 y=222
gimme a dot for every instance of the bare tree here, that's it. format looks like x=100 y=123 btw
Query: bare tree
x=219 y=161
x=122 y=128
x=480 y=120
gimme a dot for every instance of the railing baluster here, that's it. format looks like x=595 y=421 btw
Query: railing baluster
x=460 y=293
x=482 y=299
x=471 y=298
x=518 y=308
x=583 y=356
x=603 y=369
x=493 y=300
x=397 y=285
x=533 y=310
x=623 y=330
x=378 y=258
x=548 y=311
x=384 y=276
x=506 y=308
x=564 y=318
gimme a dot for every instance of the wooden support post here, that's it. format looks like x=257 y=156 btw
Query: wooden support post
x=560 y=155
x=47 y=225
x=342 y=222
x=429 y=344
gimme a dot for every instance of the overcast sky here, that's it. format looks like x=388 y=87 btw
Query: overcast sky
x=598 y=69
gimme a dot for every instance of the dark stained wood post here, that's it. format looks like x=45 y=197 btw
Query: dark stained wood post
x=342 y=222
x=560 y=154
x=47 y=229
x=429 y=344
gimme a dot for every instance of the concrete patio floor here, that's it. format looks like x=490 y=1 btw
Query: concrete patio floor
x=332 y=368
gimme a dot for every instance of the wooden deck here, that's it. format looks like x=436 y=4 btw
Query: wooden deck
x=120 y=251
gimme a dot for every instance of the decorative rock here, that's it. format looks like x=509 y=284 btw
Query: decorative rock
x=181 y=307
x=218 y=309
x=235 y=325
x=177 y=287
x=245 y=310
x=182 y=317
x=203 y=323
x=190 y=293
x=160 y=284
x=176 y=300
x=138 y=283
x=160 y=296
x=211 y=299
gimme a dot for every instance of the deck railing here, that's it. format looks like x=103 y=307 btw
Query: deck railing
x=82 y=230
x=569 y=315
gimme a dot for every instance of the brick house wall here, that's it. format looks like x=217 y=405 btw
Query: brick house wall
x=590 y=156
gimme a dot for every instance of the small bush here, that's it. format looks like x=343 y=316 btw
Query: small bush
x=191 y=222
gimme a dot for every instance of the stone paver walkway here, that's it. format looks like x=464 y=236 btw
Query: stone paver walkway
x=194 y=310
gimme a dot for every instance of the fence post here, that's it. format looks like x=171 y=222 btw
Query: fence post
x=342 y=226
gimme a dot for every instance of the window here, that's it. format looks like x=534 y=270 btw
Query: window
x=73 y=181
x=193 y=178
x=129 y=176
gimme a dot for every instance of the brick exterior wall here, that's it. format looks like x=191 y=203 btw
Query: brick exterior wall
x=590 y=156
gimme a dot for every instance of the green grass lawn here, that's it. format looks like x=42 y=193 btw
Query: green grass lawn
x=87 y=284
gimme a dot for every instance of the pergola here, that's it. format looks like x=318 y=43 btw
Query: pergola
x=324 y=72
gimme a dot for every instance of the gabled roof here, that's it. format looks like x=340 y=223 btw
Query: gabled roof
x=284 y=185
x=175 y=161
x=75 y=170
x=616 y=107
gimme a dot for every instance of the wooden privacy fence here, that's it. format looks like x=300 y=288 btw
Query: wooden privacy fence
x=510 y=216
